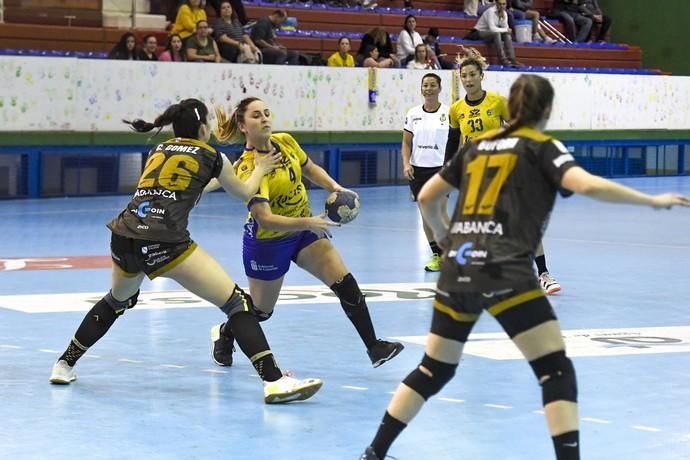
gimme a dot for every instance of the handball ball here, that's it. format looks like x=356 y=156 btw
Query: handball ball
x=342 y=207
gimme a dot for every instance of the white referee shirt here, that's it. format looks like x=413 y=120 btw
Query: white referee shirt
x=429 y=135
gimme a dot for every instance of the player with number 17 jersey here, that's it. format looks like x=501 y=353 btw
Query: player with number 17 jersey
x=488 y=247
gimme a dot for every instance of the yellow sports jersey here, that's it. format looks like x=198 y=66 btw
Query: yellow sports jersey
x=283 y=188
x=476 y=118
x=336 y=60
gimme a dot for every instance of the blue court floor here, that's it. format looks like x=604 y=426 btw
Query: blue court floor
x=149 y=389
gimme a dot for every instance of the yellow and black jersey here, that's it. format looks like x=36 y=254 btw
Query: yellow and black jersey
x=171 y=184
x=282 y=189
x=478 y=117
x=507 y=190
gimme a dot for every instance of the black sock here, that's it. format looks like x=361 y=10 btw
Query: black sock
x=352 y=301
x=253 y=343
x=541 y=264
x=94 y=326
x=389 y=429
x=567 y=445
x=434 y=248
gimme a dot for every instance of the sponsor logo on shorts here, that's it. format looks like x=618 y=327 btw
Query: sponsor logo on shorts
x=261 y=268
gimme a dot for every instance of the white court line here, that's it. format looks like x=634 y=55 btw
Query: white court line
x=127 y=360
x=452 y=400
x=622 y=243
x=172 y=366
x=214 y=371
x=48 y=350
x=649 y=429
x=253 y=375
x=498 y=406
x=538 y=412
x=13 y=347
x=595 y=420
x=350 y=387
x=92 y=356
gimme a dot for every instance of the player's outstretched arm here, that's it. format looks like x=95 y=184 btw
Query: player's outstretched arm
x=245 y=190
x=580 y=181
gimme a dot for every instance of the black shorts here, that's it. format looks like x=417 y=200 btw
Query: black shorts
x=151 y=257
x=421 y=176
x=517 y=310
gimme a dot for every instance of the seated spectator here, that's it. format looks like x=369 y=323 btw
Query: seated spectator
x=471 y=7
x=408 y=39
x=175 y=50
x=379 y=38
x=591 y=10
x=434 y=50
x=372 y=58
x=421 y=59
x=234 y=43
x=264 y=36
x=237 y=7
x=342 y=57
x=524 y=9
x=577 y=25
x=201 y=47
x=492 y=27
x=125 y=49
x=188 y=16
x=148 y=50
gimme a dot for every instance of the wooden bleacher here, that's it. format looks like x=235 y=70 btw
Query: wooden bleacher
x=61 y=37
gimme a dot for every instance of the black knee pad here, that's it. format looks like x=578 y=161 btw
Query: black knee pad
x=239 y=301
x=351 y=297
x=428 y=385
x=119 y=306
x=556 y=376
x=260 y=315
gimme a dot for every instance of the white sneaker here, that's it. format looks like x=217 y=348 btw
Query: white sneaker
x=549 y=283
x=550 y=41
x=288 y=389
x=62 y=373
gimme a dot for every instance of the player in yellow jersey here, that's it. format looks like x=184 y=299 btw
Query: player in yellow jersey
x=479 y=112
x=280 y=229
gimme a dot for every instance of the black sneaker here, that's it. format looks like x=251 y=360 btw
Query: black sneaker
x=222 y=347
x=369 y=454
x=383 y=351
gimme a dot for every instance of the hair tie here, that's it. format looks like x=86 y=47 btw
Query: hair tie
x=197 y=114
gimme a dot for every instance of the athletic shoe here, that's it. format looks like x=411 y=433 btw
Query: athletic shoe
x=549 y=283
x=369 y=454
x=434 y=264
x=550 y=41
x=222 y=347
x=288 y=389
x=383 y=351
x=62 y=373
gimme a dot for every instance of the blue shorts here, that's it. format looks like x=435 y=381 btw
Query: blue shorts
x=268 y=260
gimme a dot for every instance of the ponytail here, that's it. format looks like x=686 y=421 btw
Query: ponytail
x=186 y=117
x=228 y=127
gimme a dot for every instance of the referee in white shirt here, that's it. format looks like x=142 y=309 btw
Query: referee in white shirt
x=423 y=148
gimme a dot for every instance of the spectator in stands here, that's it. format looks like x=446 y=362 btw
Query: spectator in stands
x=188 y=16
x=234 y=43
x=373 y=59
x=434 y=50
x=148 y=50
x=492 y=27
x=263 y=35
x=342 y=57
x=570 y=12
x=591 y=10
x=408 y=39
x=237 y=7
x=471 y=7
x=379 y=38
x=125 y=49
x=201 y=47
x=524 y=9
x=175 y=50
x=421 y=59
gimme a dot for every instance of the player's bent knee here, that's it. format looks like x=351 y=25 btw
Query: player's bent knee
x=119 y=306
x=239 y=301
x=556 y=376
x=430 y=376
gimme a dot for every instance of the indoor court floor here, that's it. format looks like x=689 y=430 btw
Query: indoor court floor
x=149 y=389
